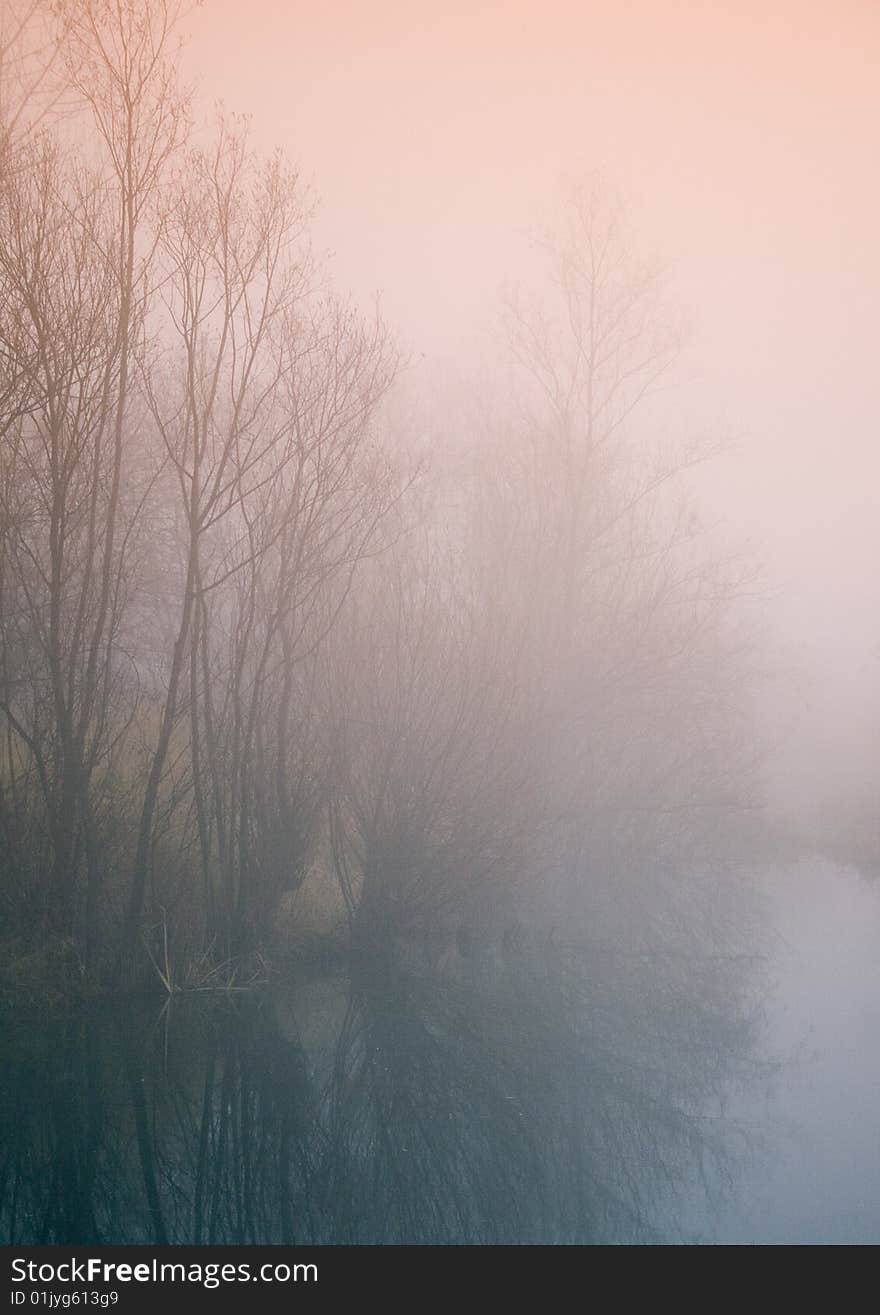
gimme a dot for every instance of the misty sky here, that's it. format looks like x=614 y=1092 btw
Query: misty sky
x=745 y=140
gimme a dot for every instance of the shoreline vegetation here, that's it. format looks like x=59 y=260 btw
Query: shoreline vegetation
x=312 y=936
x=273 y=606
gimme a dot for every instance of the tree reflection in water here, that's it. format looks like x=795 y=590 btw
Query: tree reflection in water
x=525 y=1097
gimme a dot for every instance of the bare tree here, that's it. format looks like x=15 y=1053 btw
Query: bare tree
x=261 y=396
x=541 y=689
x=32 y=84
x=641 y=665
x=77 y=258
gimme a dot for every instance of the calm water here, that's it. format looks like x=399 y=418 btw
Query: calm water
x=813 y=1171
x=540 y=1094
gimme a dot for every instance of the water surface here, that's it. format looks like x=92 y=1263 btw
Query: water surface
x=534 y=1093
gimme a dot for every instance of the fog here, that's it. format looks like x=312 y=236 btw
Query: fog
x=439 y=642
x=742 y=140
